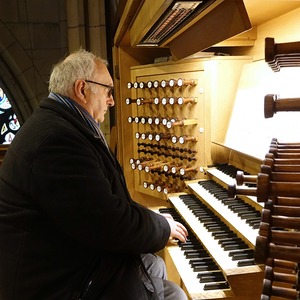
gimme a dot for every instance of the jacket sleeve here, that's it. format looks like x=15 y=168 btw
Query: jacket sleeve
x=83 y=196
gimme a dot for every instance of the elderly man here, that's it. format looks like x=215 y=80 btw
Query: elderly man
x=68 y=226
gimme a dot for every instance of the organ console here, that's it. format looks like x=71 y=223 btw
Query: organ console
x=243 y=228
x=218 y=260
x=191 y=179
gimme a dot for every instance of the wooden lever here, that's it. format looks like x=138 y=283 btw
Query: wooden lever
x=264 y=250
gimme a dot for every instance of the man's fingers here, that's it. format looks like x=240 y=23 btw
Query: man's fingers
x=182 y=232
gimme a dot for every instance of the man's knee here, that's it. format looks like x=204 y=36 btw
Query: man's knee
x=156 y=268
x=173 y=292
x=154 y=265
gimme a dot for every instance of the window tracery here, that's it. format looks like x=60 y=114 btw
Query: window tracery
x=9 y=124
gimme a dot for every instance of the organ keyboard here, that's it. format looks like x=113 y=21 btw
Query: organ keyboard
x=203 y=278
x=222 y=240
x=233 y=212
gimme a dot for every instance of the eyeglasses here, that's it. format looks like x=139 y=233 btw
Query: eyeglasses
x=110 y=87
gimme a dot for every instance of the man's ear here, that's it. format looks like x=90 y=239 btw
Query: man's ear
x=80 y=90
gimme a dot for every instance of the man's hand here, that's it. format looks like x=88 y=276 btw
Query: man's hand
x=178 y=231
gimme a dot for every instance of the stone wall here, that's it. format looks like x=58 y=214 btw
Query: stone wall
x=33 y=36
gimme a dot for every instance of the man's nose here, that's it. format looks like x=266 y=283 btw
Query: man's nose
x=111 y=101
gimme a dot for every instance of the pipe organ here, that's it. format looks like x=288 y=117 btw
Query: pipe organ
x=243 y=228
x=174 y=108
x=193 y=136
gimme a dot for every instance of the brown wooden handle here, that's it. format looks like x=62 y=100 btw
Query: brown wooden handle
x=273 y=105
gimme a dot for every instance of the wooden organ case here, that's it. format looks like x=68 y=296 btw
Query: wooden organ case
x=184 y=102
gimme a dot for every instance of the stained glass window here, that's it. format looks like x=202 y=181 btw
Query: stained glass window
x=9 y=124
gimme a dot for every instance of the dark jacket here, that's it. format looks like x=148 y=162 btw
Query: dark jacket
x=68 y=227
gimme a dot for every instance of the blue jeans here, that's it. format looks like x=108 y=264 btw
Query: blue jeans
x=156 y=268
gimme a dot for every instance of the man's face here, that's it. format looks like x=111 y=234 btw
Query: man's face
x=98 y=96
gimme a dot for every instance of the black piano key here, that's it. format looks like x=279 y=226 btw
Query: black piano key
x=214 y=220
x=222 y=234
x=207 y=219
x=216 y=286
x=201 y=261
x=255 y=226
x=190 y=251
x=190 y=247
x=204 y=257
x=243 y=210
x=248 y=215
x=192 y=239
x=228 y=201
x=216 y=227
x=194 y=255
x=236 y=206
x=246 y=262
x=200 y=212
x=232 y=246
x=235 y=246
x=212 y=277
x=241 y=251
x=205 y=268
x=208 y=279
x=194 y=252
x=229 y=241
x=253 y=221
x=207 y=273
x=242 y=256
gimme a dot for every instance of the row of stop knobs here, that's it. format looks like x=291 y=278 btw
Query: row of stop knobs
x=163 y=83
x=166 y=121
x=151 y=136
x=167 y=148
x=163 y=187
x=167 y=151
x=163 y=167
x=167 y=154
x=163 y=100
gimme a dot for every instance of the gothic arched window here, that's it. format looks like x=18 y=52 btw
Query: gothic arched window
x=9 y=124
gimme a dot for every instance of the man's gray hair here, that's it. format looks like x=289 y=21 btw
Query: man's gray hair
x=78 y=65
